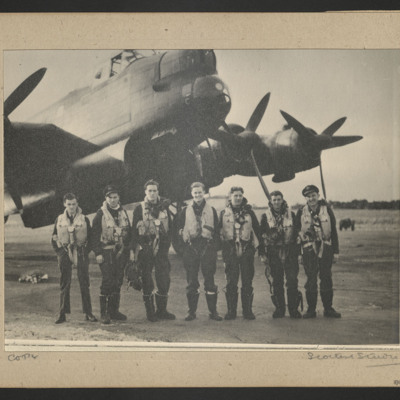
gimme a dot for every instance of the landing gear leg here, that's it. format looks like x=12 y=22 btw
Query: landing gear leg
x=177 y=242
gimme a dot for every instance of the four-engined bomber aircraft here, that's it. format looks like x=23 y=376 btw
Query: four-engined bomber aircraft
x=160 y=116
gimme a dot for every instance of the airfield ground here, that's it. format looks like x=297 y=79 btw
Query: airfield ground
x=366 y=282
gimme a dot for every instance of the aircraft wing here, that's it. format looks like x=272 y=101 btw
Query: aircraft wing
x=38 y=169
x=35 y=153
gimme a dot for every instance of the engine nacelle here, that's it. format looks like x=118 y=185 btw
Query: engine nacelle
x=213 y=168
x=283 y=177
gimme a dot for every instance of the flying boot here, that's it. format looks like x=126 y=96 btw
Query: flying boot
x=114 y=309
x=312 y=304
x=247 y=303
x=295 y=298
x=61 y=318
x=193 y=299
x=329 y=311
x=67 y=306
x=280 y=305
x=87 y=306
x=212 y=306
x=149 y=305
x=231 y=301
x=161 y=302
x=104 y=309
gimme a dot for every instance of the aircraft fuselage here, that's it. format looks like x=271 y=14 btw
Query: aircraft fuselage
x=152 y=96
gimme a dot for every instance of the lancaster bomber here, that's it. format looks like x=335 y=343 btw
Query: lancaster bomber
x=159 y=115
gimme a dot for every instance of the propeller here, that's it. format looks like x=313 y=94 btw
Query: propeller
x=22 y=91
x=241 y=141
x=11 y=103
x=325 y=140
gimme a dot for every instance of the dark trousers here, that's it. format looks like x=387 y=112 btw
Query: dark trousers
x=146 y=262
x=279 y=269
x=112 y=271
x=314 y=266
x=236 y=267
x=65 y=266
x=194 y=258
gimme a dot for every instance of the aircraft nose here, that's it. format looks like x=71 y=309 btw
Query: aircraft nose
x=211 y=96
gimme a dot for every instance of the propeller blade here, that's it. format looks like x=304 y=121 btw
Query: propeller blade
x=331 y=129
x=22 y=91
x=338 y=141
x=298 y=127
x=258 y=113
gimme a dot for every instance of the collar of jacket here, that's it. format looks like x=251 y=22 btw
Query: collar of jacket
x=321 y=202
x=70 y=217
x=111 y=210
x=282 y=211
x=199 y=207
x=148 y=204
x=244 y=206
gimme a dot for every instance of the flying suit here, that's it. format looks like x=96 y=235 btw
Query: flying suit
x=279 y=246
x=239 y=230
x=71 y=242
x=319 y=242
x=198 y=226
x=111 y=239
x=151 y=234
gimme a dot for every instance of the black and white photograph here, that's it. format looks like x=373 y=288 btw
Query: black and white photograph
x=240 y=199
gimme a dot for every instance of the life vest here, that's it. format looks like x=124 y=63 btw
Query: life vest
x=112 y=233
x=72 y=233
x=149 y=225
x=323 y=234
x=232 y=229
x=196 y=227
x=287 y=225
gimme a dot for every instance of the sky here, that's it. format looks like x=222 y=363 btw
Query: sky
x=315 y=86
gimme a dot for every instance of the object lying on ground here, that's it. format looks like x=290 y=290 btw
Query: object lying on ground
x=35 y=277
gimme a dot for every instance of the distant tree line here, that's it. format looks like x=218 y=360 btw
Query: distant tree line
x=354 y=204
x=361 y=205
x=367 y=205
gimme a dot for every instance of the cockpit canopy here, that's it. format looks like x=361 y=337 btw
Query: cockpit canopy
x=119 y=62
x=199 y=62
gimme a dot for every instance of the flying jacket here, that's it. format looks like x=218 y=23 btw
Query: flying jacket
x=55 y=242
x=287 y=226
x=195 y=227
x=323 y=234
x=78 y=229
x=112 y=230
x=104 y=228
x=198 y=211
x=328 y=225
x=249 y=226
x=144 y=228
x=147 y=226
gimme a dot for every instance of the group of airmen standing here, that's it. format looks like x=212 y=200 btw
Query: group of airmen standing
x=284 y=240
